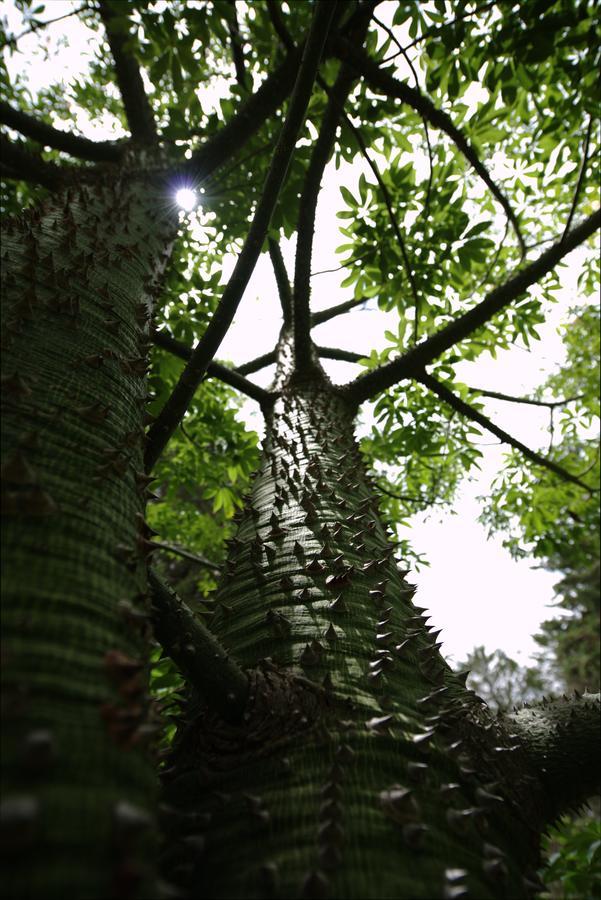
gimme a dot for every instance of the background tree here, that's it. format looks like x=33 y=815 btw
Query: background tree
x=333 y=752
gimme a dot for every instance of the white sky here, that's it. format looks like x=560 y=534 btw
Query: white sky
x=473 y=589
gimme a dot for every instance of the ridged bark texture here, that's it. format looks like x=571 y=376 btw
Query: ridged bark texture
x=364 y=768
x=77 y=783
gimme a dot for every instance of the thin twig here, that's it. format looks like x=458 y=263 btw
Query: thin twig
x=187 y=554
x=471 y=413
x=550 y=404
x=581 y=174
x=48 y=136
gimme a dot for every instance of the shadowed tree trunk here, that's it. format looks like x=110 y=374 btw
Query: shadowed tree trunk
x=362 y=766
x=78 y=786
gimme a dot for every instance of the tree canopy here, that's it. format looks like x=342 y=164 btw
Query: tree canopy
x=465 y=139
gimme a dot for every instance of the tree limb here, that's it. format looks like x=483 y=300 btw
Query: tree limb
x=138 y=111
x=31 y=167
x=337 y=353
x=214 y=370
x=324 y=315
x=393 y=221
x=371 y=383
x=306 y=218
x=187 y=554
x=550 y=404
x=562 y=741
x=581 y=175
x=282 y=280
x=237 y=52
x=176 y=405
x=197 y=653
x=48 y=136
x=267 y=359
x=380 y=80
x=13 y=39
x=469 y=412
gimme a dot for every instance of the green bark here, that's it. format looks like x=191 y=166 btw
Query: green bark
x=78 y=781
x=363 y=767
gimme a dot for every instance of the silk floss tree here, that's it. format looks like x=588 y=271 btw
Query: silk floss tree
x=325 y=748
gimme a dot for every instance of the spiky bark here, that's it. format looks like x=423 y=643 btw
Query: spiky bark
x=362 y=767
x=78 y=783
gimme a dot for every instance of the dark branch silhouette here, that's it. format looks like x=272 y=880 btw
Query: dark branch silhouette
x=581 y=174
x=418 y=357
x=282 y=280
x=215 y=370
x=383 y=82
x=324 y=315
x=48 y=136
x=469 y=412
x=306 y=218
x=203 y=353
x=30 y=167
x=549 y=404
x=13 y=39
x=138 y=111
x=200 y=657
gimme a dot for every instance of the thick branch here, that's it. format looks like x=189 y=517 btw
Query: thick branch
x=381 y=80
x=549 y=404
x=197 y=653
x=306 y=218
x=282 y=280
x=373 y=382
x=95 y=151
x=29 y=167
x=324 y=315
x=138 y=111
x=214 y=370
x=465 y=409
x=562 y=740
x=176 y=405
x=337 y=353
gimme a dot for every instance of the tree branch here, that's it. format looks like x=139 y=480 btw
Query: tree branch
x=370 y=384
x=214 y=370
x=31 y=167
x=550 y=404
x=186 y=554
x=469 y=412
x=282 y=280
x=13 y=39
x=562 y=741
x=237 y=53
x=337 y=353
x=138 y=111
x=259 y=363
x=197 y=653
x=324 y=315
x=306 y=217
x=176 y=405
x=393 y=221
x=48 y=136
x=581 y=175
x=380 y=80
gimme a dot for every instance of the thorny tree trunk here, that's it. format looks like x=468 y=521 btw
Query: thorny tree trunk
x=363 y=767
x=78 y=785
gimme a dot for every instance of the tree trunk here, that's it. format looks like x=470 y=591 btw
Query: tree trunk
x=78 y=782
x=363 y=767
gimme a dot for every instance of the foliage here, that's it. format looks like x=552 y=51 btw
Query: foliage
x=573 y=850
